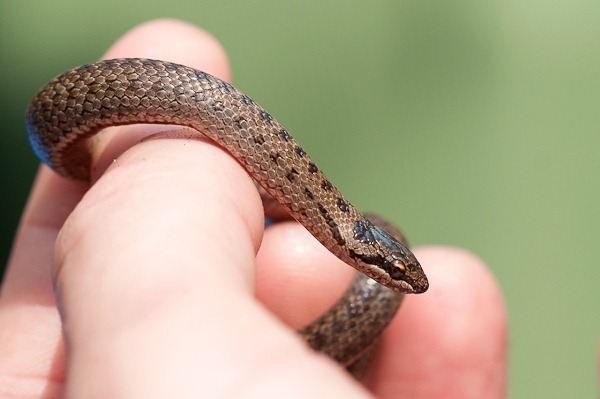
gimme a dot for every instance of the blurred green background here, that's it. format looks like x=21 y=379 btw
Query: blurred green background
x=471 y=123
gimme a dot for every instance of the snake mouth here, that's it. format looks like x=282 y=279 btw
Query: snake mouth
x=421 y=285
x=416 y=278
x=411 y=286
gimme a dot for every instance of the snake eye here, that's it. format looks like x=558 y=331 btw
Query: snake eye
x=397 y=269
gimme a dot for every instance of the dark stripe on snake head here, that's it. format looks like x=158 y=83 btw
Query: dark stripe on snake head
x=379 y=261
x=363 y=232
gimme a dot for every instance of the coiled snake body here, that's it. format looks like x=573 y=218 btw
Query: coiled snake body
x=77 y=104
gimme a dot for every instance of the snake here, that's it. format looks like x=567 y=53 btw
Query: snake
x=71 y=108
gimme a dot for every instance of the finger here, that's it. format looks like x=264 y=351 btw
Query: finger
x=450 y=342
x=297 y=278
x=155 y=273
x=30 y=333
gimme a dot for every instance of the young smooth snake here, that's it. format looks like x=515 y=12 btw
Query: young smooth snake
x=77 y=104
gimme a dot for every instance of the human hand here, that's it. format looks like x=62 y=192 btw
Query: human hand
x=154 y=271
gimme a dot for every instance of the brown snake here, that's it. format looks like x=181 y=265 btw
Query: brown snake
x=77 y=104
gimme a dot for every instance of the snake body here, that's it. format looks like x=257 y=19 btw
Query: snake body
x=77 y=104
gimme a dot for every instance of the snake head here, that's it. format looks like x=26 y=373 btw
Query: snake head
x=387 y=258
x=406 y=274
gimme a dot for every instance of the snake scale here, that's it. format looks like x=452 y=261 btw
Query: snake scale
x=77 y=104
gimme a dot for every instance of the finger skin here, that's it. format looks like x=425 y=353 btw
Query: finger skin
x=31 y=346
x=302 y=282
x=451 y=342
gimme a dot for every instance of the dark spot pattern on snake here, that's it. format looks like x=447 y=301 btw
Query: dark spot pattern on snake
x=342 y=205
x=299 y=151
x=333 y=227
x=292 y=174
x=201 y=75
x=246 y=100
x=276 y=158
x=226 y=87
x=265 y=116
x=284 y=135
x=239 y=121
x=326 y=185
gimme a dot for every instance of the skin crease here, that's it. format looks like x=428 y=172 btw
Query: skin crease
x=154 y=270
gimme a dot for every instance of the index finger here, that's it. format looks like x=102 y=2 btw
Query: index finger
x=31 y=344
